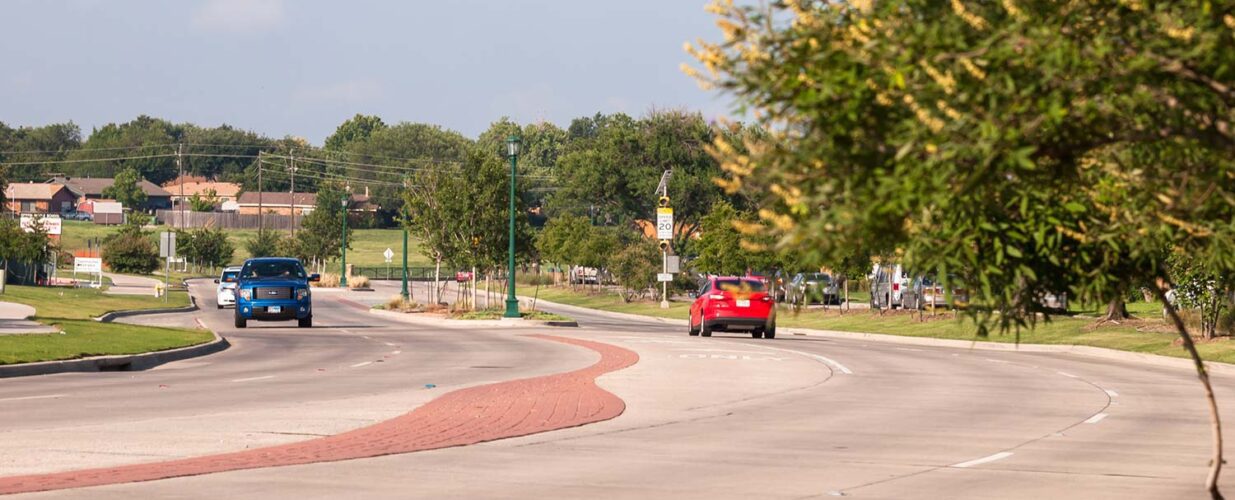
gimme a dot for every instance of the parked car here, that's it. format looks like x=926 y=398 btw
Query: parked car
x=811 y=288
x=725 y=304
x=888 y=283
x=226 y=291
x=274 y=289
x=925 y=291
x=77 y=215
x=463 y=276
x=580 y=275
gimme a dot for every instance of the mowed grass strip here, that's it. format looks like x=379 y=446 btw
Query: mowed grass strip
x=71 y=309
x=1147 y=335
x=366 y=245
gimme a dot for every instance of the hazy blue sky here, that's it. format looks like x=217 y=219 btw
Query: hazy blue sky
x=301 y=67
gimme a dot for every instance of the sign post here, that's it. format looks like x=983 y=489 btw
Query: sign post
x=664 y=233
x=167 y=250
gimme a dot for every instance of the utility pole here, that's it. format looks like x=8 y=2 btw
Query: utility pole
x=292 y=169
x=180 y=165
x=260 y=217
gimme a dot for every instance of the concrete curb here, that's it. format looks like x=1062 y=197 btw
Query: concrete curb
x=111 y=316
x=124 y=362
x=1083 y=350
x=469 y=323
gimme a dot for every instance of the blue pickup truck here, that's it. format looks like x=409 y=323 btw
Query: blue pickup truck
x=274 y=289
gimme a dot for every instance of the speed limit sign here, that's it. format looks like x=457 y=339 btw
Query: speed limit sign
x=664 y=223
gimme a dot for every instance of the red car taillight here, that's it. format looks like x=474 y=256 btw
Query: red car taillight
x=896 y=287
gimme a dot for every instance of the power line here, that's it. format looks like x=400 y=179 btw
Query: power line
x=170 y=155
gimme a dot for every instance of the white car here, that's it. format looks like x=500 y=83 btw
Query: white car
x=227 y=286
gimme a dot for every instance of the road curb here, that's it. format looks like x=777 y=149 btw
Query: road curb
x=111 y=316
x=471 y=323
x=1083 y=350
x=123 y=362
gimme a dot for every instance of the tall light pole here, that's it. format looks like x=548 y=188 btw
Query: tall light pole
x=405 y=293
x=343 y=271
x=512 y=303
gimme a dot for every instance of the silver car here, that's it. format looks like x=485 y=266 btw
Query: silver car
x=811 y=288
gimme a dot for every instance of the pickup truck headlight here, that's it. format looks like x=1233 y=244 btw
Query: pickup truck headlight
x=302 y=293
x=246 y=293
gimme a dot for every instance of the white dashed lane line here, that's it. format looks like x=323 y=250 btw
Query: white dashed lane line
x=1066 y=374
x=1096 y=418
x=987 y=459
x=27 y=398
x=824 y=359
x=358 y=365
x=250 y=379
x=1112 y=393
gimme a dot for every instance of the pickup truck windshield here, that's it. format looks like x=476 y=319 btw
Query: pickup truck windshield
x=273 y=269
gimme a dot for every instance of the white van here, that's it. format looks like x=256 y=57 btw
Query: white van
x=888 y=283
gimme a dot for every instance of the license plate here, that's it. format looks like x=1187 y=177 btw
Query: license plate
x=743 y=303
x=274 y=309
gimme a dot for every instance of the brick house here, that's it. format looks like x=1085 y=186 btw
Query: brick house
x=38 y=198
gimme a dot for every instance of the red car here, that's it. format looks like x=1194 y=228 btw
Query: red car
x=726 y=304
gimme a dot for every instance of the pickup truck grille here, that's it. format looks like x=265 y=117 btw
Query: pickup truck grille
x=271 y=292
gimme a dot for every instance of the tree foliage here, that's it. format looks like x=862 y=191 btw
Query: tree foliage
x=357 y=128
x=127 y=189
x=131 y=249
x=265 y=243
x=206 y=246
x=1034 y=147
x=635 y=268
x=320 y=238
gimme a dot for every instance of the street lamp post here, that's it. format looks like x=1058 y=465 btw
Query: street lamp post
x=512 y=303
x=343 y=270
x=405 y=293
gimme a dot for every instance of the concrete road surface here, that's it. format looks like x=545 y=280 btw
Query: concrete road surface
x=720 y=417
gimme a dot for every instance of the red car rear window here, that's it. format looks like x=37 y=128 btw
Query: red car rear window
x=740 y=285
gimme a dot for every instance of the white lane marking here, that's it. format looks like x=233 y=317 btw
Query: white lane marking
x=25 y=398
x=389 y=344
x=992 y=360
x=358 y=365
x=1066 y=374
x=1096 y=418
x=716 y=350
x=826 y=360
x=1112 y=393
x=908 y=349
x=396 y=352
x=998 y=456
x=250 y=379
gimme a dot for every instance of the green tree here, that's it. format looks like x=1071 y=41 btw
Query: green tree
x=321 y=236
x=148 y=144
x=131 y=249
x=721 y=248
x=127 y=189
x=264 y=244
x=635 y=268
x=205 y=246
x=356 y=128
x=1036 y=147
x=207 y=203
x=561 y=241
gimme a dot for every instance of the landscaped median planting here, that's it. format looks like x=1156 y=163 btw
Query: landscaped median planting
x=399 y=308
x=72 y=310
x=1149 y=334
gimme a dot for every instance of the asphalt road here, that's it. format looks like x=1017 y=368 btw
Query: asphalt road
x=723 y=417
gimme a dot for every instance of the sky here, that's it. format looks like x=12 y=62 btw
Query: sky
x=302 y=67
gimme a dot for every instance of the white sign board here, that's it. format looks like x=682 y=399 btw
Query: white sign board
x=389 y=254
x=664 y=277
x=87 y=265
x=664 y=223
x=167 y=244
x=673 y=263
x=50 y=222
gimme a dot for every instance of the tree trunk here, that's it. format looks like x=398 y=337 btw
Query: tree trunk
x=437 y=278
x=1116 y=310
x=474 y=289
x=1215 y=463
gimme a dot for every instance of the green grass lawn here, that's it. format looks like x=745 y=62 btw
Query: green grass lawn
x=71 y=309
x=1147 y=335
x=366 y=245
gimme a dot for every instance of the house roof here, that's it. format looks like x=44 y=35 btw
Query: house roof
x=227 y=189
x=32 y=191
x=277 y=199
x=94 y=186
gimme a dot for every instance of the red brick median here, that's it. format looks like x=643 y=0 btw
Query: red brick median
x=463 y=417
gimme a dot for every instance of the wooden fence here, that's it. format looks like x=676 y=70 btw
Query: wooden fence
x=227 y=220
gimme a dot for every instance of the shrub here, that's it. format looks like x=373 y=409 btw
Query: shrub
x=131 y=253
x=398 y=303
x=358 y=282
x=328 y=280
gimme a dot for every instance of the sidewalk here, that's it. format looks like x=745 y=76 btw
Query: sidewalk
x=13 y=320
x=131 y=285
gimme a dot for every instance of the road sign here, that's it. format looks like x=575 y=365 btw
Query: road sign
x=389 y=254
x=167 y=244
x=664 y=277
x=87 y=265
x=50 y=222
x=664 y=223
x=673 y=264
